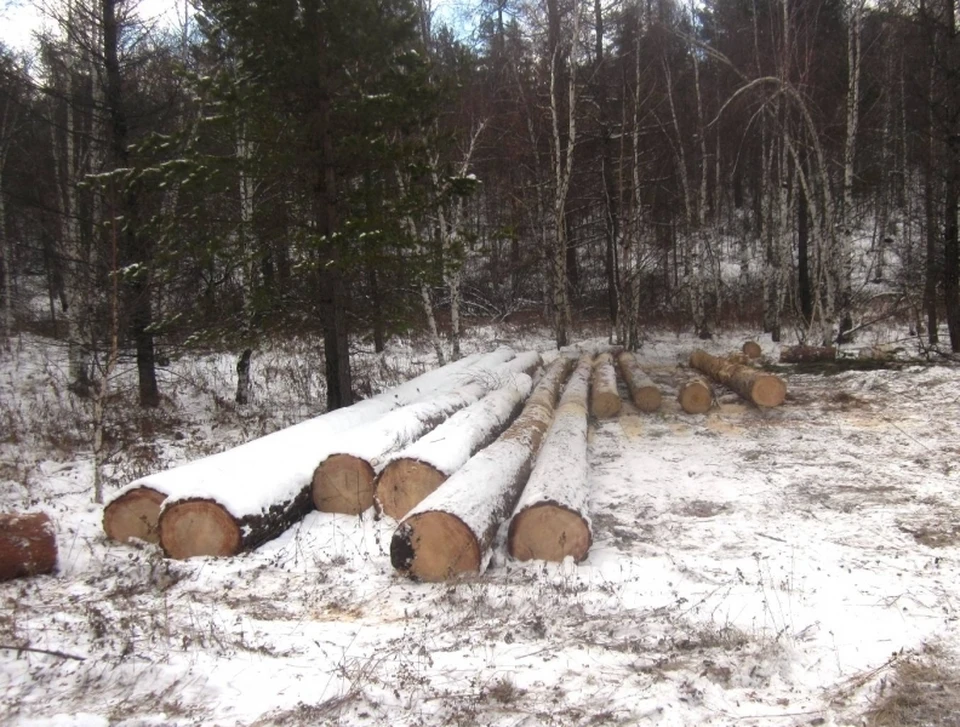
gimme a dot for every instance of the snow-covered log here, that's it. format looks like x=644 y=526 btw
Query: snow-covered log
x=344 y=481
x=807 y=354
x=751 y=349
x=644 y=393
x=413 y=473
x=451 y=531
x=695 y=396
x=134 y=514
x=28 y=545
x=761 y=388
x=550 y=521
x=604 y=397
x=263 y=486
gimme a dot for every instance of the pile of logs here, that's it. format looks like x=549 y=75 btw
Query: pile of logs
x=763 y=389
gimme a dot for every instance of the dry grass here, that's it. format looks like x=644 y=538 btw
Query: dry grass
x=923 y=689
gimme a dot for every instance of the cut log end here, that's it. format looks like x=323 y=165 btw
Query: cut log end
x=696 y=397
x=134 y=515
x=549 y=532
x=344 y=484
x=751 y=349
x=434 y=546
x=28 y=545
x=647 y=398
x=404 y=484
x=198 y=527
x=605 y=404
x=768 y=391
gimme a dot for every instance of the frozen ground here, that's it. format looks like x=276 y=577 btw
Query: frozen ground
x=798 y=566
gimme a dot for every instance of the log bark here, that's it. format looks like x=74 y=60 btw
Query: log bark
x=695 y=396
x=261 y=488
x=344 y=481
x=765 y=390
x=134 y=514
x=808 y=354
x=451 y=531
x=421 y=468
x=751 y=349
x=643 y=392
x=550 y=521
x=604 y=397
x=28 y=545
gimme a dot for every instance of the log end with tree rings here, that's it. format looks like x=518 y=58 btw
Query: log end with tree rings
x=134 y=515
x=647 y=398
x=751 y=349
x=696 y=397
x=344 y=484
x=404 y=484
x=547 y=531
x=198 y=527
x=28 y=545
x=768 y=390
x=434 y=546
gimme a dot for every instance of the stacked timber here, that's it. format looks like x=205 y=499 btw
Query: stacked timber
x=643 y=392
x=255 y=491
x=763 y=389
x=550 y=521
x=452 y=530
x=413 y=473
x=807 y=354
x=344 y=481
x=695 y=395
x=604 y=397
x=28 y=545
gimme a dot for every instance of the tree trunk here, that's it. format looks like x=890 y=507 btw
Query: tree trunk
x=932 y=277
x=432 y=324
x=550 y=521
x=344 y=480
x=452 y=530
x=604 y=397
x=695 y=396
x=807 y=354
x=243 y=377
x=611 y=212
x=28 y=545
x=764 y=390
x=643 y=392
x=421 y=468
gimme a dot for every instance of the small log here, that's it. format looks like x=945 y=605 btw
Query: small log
x=807 y=354
x=134 y=514
x=765 y=390
x=695 y=396
x=28 y=545
x=644 y=393
x=452 y=530
x=421 y=468
x=604 y=397
x=550 y=521
x=344 y=481
x=751 y=349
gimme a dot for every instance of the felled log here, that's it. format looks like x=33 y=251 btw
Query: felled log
x=550 y=521
x=134 y=514
x=344 y=481
x=604 y=397
x=238 y=499
x=643 y=392
x=695 y=396
x=28 y=545
x=413 y=473
x=451 y=531
x=751 y=349
x=807 y=354
x=761 y=388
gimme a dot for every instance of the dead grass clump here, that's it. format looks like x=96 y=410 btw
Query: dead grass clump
x=702 y=508
x=504 y=691
x=922 y=689
x=845 y=401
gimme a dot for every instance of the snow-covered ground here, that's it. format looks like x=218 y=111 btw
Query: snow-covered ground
x=798 y=566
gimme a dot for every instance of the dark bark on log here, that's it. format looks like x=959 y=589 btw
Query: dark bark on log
x=807 y=354
x=28 y=545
